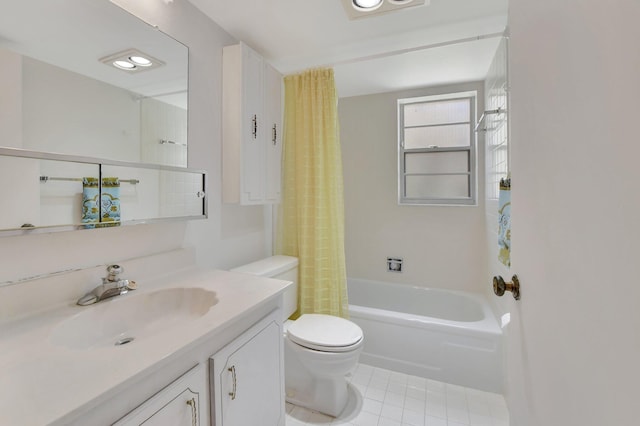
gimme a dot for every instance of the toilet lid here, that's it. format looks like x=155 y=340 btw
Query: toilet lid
x=325 y=333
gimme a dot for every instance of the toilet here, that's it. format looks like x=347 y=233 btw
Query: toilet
x=319 y=350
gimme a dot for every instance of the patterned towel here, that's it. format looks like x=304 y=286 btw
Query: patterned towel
x=110 y=202
x=108 y=213
x=90 y=210
x=504 y=222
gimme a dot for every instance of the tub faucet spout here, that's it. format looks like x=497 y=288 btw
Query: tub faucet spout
x=111 y=286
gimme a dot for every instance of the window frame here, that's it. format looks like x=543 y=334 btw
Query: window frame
x=471 y=200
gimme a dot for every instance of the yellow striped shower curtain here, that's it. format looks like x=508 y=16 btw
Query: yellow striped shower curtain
x=311 y=215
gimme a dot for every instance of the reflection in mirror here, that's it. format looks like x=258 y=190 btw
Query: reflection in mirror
x=159 y=193
x=58 y=95
x=42 y=193
x=48 y=191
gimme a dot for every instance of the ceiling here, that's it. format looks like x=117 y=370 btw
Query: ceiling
x=444 y=41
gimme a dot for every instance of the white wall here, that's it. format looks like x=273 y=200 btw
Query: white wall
x=60 y=113
x=10 y=99
x=232 y=235
x=441 y=246
x=19 y=207
x=574 y=350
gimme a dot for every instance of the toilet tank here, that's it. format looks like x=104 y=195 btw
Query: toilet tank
x=281 y=268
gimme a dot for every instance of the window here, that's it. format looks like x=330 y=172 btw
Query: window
x=436 y=149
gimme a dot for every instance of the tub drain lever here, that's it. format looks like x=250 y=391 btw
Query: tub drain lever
x=499 y=286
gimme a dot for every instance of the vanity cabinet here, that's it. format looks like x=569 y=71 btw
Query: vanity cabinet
x=179 y=404
x=247 y=378
x=251 y=127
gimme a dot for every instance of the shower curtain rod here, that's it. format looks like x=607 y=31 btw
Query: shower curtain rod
x=415 y=49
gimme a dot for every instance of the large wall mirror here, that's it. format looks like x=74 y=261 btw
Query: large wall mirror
x=62 y=92
x=80 y=105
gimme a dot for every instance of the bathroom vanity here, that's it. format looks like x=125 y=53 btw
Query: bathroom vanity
x=189 y=346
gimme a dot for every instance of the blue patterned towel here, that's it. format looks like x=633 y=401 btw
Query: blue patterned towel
x=108 y=213
x=110 y=202
x=504 y=222
x=90 y=193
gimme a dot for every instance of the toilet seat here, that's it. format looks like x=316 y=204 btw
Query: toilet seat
x=325 y=333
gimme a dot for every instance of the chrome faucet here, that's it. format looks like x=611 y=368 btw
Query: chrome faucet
x=111 y=286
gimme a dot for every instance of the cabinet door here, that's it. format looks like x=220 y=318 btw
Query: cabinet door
x=253 y=123
x=247 y=379
x=273 y=114
x=179 y=404
x=251 y=128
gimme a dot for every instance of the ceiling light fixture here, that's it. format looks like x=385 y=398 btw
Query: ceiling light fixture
x=367 y=4
x=132 y=60
x=140 y=61
x=367 y=8
x=125 y=65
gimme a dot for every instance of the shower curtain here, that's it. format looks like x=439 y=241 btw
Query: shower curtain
x=311 y=215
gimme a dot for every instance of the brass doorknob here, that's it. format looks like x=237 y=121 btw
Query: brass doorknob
x=499 y=286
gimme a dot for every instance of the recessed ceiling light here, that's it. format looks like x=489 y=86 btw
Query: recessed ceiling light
x=132 y=60
x=367 y=4
x=141 y=61
x=368 y=8
x=125 y=65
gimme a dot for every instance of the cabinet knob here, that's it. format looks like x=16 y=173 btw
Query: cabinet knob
x=274 y=134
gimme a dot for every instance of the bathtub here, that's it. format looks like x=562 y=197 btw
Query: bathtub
x=443 y=335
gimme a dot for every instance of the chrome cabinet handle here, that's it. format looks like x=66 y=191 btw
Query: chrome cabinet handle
x=274 y=137
x=232 y=369
x=254 y=124
x=194 y=411
x=499 y=286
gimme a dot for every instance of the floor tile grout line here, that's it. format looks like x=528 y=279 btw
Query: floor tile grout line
x=458 y=396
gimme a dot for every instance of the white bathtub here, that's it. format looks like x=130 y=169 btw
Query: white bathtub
x=443 y=335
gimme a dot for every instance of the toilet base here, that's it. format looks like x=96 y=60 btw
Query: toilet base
x=327 y=395
x=317 y=380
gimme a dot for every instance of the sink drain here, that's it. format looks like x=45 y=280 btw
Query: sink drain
x=124 y=341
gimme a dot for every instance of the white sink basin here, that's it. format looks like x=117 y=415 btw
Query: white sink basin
x=124 y=319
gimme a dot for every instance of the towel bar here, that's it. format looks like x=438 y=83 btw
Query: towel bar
x=45 y=179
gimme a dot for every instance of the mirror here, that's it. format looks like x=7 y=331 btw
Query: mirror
x=58 y=192
x=61 y=93
x=83 y=143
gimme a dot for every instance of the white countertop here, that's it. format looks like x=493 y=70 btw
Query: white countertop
x=41 y=382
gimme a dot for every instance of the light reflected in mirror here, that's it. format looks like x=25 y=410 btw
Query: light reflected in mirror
x=58 y=95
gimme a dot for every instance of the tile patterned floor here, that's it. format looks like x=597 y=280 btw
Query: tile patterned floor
x=381 y=397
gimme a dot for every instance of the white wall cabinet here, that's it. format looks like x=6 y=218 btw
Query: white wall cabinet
x=179 y=404
x=247 y=378
x=273 y=114
x=251 y=127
